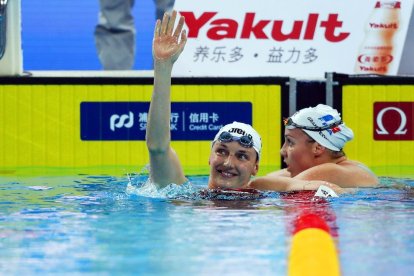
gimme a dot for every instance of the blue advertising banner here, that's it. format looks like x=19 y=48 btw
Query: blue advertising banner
x=190 y=121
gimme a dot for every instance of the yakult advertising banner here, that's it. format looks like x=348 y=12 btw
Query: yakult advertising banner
x=295 y=38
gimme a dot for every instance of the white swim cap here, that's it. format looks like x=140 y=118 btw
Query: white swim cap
x=237 y=129
x=323 y=124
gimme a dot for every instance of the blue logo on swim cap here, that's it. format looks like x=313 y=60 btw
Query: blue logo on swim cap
x=326 y=118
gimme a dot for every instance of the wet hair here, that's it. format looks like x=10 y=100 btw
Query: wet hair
x=336 y=154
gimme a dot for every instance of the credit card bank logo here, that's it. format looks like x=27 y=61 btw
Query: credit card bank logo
x=189 y=121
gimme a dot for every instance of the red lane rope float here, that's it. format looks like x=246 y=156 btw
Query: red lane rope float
x=313 y=250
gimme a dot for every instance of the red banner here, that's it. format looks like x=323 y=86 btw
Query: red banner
x=393 y=121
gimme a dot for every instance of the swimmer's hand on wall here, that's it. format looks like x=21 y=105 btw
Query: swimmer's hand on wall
x=168 y=43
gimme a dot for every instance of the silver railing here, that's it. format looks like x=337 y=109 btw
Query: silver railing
x=3 y=26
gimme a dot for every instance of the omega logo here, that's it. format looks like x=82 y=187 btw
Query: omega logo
x=381 y=130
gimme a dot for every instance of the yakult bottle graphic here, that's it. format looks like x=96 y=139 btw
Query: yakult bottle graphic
x=375 y=55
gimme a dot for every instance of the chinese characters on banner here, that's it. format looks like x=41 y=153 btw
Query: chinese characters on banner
x=189 y=121
x=297 y=38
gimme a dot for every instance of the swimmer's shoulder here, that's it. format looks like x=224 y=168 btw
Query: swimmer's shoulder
x=346 y=174
x=360 y=172
x=357 y=165
x=279 y=173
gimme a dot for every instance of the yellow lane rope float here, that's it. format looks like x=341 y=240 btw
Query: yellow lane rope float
x=313 y=250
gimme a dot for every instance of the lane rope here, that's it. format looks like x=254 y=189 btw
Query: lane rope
x=313 y=250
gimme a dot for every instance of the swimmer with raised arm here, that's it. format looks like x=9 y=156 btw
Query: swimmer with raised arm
x=313 y=152
x=236 y=148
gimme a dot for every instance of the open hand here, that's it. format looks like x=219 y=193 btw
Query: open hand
x=166 y=45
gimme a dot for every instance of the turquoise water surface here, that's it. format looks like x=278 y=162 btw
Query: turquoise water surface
x=104 y=225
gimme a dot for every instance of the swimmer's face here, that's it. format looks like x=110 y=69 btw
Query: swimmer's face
x=297 y=151
x=231 y=165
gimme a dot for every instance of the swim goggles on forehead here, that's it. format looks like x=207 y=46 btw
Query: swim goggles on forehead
x=289 y=122
x=244 y=141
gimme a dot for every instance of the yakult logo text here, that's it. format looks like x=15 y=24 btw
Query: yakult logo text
x=228 y=28
x=384 y=26
x=393 y=121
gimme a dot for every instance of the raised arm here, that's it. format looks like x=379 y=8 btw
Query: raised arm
x=167 y=46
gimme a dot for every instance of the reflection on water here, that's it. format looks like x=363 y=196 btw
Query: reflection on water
x=106 y=225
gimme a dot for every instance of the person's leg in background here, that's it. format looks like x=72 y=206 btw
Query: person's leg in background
x=115 y=34
x=162 y=6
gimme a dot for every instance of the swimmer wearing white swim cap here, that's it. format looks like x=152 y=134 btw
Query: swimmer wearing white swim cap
x=313 y=152
x=235 y=152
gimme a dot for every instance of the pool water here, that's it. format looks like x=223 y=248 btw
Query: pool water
x=105 y=225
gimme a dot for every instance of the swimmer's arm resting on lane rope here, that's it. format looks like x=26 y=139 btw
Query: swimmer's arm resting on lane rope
x=288 y=184
x=282 y=172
